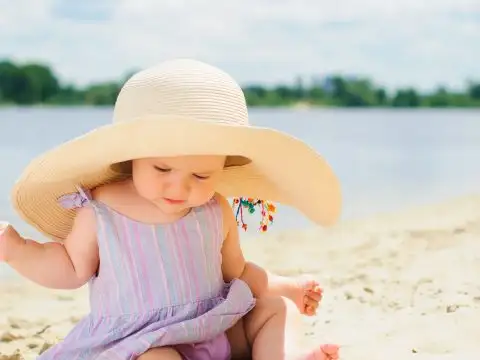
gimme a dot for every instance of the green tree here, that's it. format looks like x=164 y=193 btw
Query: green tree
x=43 y=83
x=406 y=98
x=102 y=94
x=14 y=84
x=474 y=91
x=35 y=83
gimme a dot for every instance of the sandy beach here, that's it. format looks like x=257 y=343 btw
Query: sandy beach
x=397 y=286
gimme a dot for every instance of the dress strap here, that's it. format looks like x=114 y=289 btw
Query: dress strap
x=76 y=200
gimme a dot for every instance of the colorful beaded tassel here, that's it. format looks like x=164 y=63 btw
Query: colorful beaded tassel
x=266 y=209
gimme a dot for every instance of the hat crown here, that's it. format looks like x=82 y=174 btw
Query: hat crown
x=182 y=88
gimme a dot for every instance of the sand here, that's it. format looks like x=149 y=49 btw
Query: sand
x=397 y=286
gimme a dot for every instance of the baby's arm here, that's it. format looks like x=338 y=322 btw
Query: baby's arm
x=54 y=265
x=234 y=265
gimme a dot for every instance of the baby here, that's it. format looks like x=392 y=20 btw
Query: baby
x=151 y=232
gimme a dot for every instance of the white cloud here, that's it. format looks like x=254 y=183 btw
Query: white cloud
x=400 y=42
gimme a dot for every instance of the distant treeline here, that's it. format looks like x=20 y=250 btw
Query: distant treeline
x=36 y=83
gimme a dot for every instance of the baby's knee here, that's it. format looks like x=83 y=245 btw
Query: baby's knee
x=275 y=305
x=163 y=353
x=267 y=307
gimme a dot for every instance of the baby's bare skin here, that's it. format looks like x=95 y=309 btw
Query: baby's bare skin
x=271 y=331
x=280 y=301
x=9 y=240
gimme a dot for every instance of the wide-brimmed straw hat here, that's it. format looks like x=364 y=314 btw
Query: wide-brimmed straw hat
x=180 y=107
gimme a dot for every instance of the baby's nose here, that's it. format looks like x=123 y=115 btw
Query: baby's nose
x=179 y=190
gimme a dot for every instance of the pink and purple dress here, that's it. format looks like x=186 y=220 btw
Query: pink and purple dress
x=157 y=285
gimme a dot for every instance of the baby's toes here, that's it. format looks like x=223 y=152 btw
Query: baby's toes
x=331 y=350
x=309 y=311
x=324 y=352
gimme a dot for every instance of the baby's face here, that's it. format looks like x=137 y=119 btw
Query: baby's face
x=177 y=183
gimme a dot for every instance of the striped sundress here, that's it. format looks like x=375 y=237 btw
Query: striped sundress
x=157 y=285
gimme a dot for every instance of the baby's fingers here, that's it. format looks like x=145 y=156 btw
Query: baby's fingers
x=309 y=302
x=315 y=295
x=3 y=231
x=3 y=226
x=309 y=311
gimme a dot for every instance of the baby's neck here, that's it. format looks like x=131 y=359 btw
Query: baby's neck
x=122 y=198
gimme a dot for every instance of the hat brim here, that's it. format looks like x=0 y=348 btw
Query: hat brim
x=283 y=169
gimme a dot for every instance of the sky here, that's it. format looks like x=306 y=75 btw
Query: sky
x=396 y=43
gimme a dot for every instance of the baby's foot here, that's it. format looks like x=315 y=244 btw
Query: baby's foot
x=323 y=352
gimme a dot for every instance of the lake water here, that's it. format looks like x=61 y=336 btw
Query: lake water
x=385 y=159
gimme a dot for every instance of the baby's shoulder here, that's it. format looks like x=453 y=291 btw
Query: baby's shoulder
x=225 y=211
x=110 y=194
x=217 y=205
x=220 y=201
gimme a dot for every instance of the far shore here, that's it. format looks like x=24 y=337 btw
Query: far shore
x=301 y=105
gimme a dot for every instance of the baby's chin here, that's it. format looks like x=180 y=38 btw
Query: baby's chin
x=178 y=209
x=172 y=208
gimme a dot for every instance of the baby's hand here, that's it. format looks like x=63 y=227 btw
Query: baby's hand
x=9 y=237
x=308 y=295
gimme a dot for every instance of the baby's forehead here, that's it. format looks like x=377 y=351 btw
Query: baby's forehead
x=193 y=162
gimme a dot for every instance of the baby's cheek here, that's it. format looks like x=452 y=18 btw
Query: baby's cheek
x=148 y=188
x=200 y=194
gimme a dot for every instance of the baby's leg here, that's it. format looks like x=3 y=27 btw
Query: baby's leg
x=161 y=353
x=272 y=329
